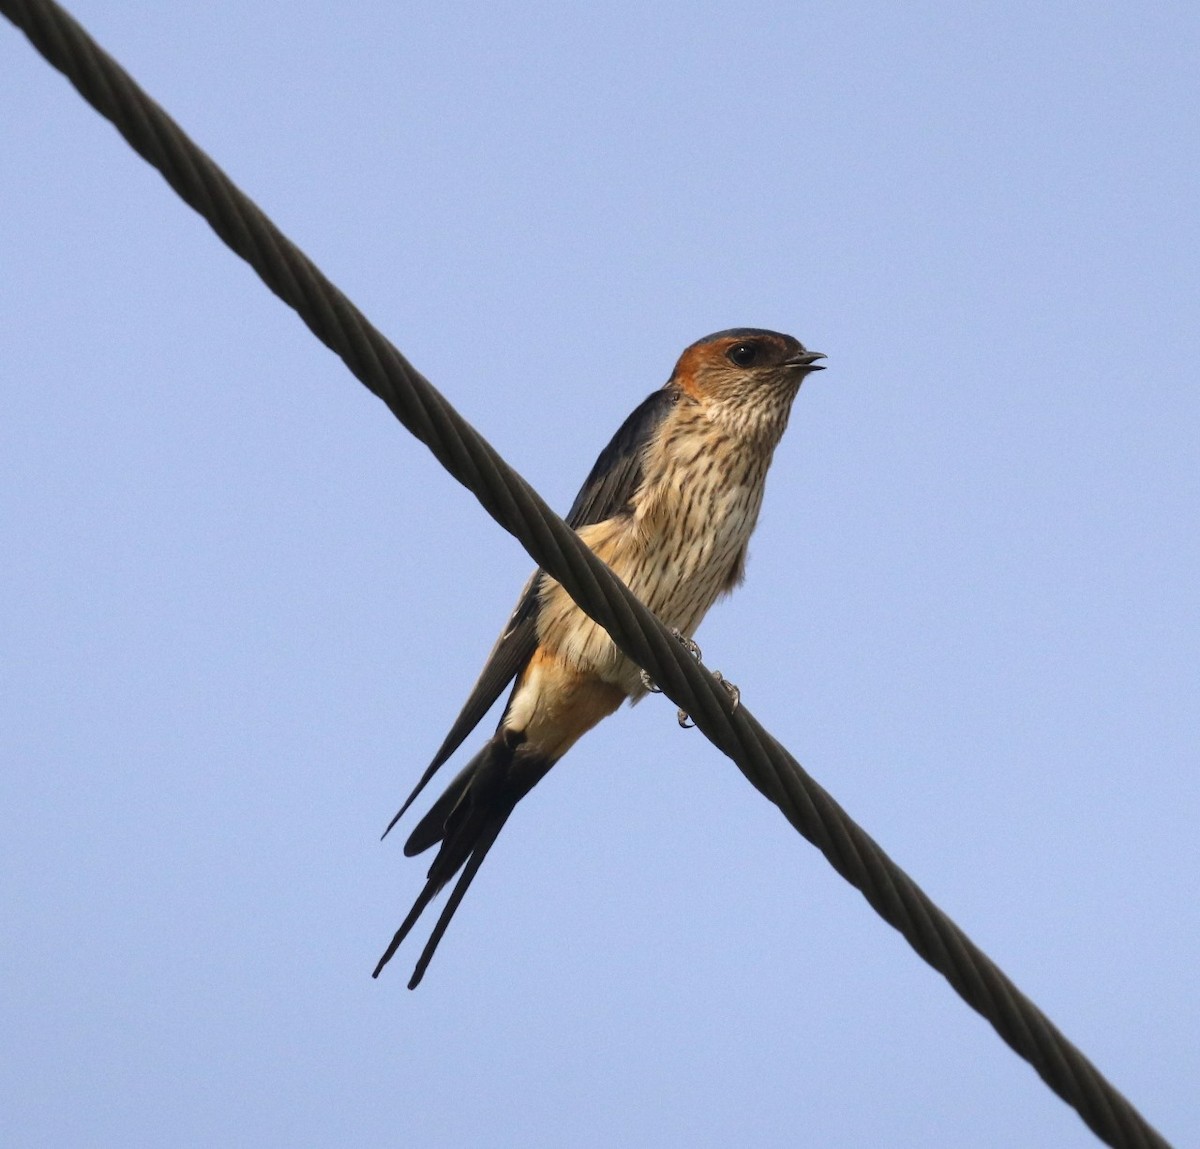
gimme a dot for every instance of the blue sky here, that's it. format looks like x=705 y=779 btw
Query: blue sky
x=239 y=606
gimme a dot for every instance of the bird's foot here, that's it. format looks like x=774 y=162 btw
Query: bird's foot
x=688 y=644
x=685 y=720
x=735 y=697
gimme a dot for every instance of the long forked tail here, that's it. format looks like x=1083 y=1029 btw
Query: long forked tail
x=466 y=820
x=433 y=885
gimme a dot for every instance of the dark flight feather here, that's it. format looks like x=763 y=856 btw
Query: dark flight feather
x=607 y=491
x=471 y=812
x=466 y=819
x=617 y=473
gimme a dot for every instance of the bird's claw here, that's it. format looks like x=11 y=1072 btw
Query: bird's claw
x=685 y=719
x=649 y=683
x=689 y=644
x=735 y=697
x=694 y=650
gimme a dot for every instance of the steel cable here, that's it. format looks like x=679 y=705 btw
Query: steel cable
x=554 y=547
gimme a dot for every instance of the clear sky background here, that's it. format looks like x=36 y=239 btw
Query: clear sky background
x=239 y=605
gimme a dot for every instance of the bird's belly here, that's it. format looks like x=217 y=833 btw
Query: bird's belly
x=678 y=560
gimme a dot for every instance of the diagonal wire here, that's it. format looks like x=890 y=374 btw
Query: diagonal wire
x=554 y=546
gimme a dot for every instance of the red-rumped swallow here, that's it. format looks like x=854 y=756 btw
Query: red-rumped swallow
x=670 y=506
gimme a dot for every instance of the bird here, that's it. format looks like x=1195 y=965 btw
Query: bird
x=670 y=506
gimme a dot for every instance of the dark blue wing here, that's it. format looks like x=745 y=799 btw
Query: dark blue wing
x=615 y=478
x=607 y=491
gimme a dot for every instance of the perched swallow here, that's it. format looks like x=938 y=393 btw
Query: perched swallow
x=670 y=506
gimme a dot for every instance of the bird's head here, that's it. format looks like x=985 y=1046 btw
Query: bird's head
x=745 y=372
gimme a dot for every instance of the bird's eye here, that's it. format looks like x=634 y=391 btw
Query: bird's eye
x=742 y=354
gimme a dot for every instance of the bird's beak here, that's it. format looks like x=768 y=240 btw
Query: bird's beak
x=806 y=359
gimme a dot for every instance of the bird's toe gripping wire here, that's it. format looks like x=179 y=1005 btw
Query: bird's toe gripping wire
x=688 y=644
x=735 y=697
x=693 y=649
